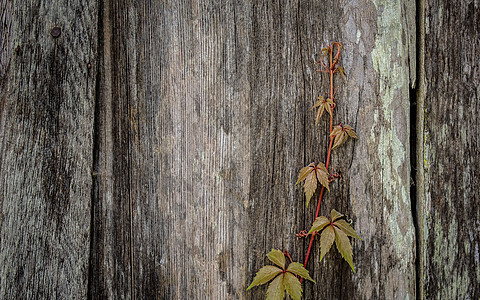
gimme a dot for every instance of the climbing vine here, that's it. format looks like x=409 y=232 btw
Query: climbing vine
x=334 y=229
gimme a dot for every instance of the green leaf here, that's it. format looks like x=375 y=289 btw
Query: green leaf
x=322 y=175
x=276 y=289
x=344 y=247
x=319 y=224
x=326 y=240
x=335 y=215
x=277 y=257
x=293 y=286
x=346 y=228
x=304 y=172
x=298 y=269
x=264 y=275
x=310 y=186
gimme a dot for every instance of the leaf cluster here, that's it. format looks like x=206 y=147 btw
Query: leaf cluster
x=311 y=174
x=283 y=279
x=341 y=132
x=335 y=230
x=323 y=105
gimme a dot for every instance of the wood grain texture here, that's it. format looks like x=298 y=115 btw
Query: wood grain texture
x=205 y=122
x=46 y=149
x=6 y=16
x=451 y=155
x=199 y=114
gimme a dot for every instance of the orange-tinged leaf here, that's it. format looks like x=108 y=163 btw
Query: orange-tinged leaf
x=264 y=275
x=319 y=113
x=336 y=130
x=304 y=172
x=326 y=240
x=339 y=139
x=349 y=130
x=298 y=269
x=322 y=175
x=341 y=132
x=310 y=186
x=277 y=257
x=329 y=107
x=293 y=286
x=319 y=224
x=345 y=227
x=276 y=289
x=344 y=247
x=335 y=215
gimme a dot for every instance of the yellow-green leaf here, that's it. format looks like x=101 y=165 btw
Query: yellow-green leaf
x=319 y=224
x=264 y=275
x=322 y=175
x=326 y=241
x=298 y=269
x=342 y=72
x=304 y=172
x=345 y=227
x=319 y=102
x=344 y=247
x=277 y=257
x=310 y=186
x=335 y=215
x=293 y=286
x=276 y=289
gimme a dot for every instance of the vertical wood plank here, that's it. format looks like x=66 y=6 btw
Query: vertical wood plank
x=451 y=155
x=206 y=123
x=379 y=58
x=111 y=246
x=46 y=149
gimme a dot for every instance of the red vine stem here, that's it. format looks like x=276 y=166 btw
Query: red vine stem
x=331 y=70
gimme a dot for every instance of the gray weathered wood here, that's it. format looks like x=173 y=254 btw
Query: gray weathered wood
x=451 y=155
x=205 y=122
x=46 y=148
x=185 y=138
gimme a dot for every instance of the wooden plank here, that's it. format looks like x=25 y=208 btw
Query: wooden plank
x=206 y=123
x=182 y=127
x=451 y=155
x=46 y=149
x=111 y=255
x=379 y=41
x=6 y=14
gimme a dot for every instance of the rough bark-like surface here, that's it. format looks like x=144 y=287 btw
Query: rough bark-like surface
x=207 y=124
x=201 y=123
x=451 y=155
x=46 y=148
x=380 y=41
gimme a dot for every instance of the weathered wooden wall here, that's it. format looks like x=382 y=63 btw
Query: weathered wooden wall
x=48 y=96
x=451 y=150
x=151 y=150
